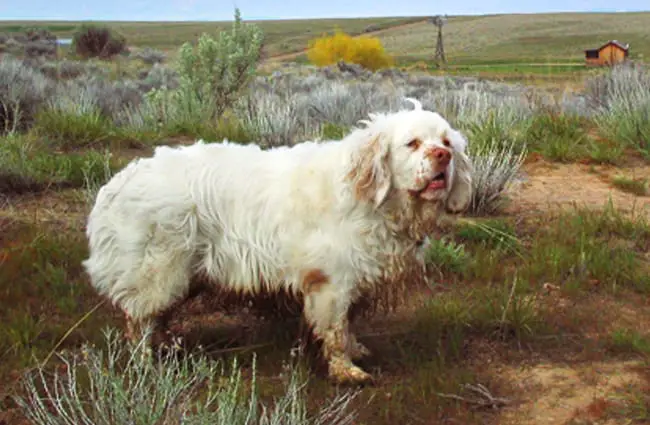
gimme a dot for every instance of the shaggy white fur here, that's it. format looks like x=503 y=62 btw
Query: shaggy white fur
x=324 y=219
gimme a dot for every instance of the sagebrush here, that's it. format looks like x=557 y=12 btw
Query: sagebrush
x=124 y=384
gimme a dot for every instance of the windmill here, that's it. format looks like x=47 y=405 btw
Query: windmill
x=439 y=21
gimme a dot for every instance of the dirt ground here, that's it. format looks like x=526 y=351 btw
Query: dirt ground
x=555 y=393
x=550 y=185
x=548 y=392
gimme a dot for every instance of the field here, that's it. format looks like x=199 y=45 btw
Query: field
x=471 y=42
x=281 y=36
x=537 y=309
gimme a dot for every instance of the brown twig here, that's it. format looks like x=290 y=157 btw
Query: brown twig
x=507 y=307
x=484 y=397
x=238 y=348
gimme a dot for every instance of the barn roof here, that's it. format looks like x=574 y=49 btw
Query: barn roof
x=615 y=43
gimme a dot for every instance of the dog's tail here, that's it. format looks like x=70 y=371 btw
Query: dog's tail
x=416 y=103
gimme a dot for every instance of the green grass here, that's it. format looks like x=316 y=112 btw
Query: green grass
x=30 y=164
x=636 y=186
x=590 y=249
x=70 y=130
x=577 y=250
x=496 y=234
x=512 y=68
x=507 y=309
x=565 y=138
x=333 y=131
x=631 y=405
x=42 y=292
x=446 y=255
x=629 y=124
x=630 y=341
x=558 y=137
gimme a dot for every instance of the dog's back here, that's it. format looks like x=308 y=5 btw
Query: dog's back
x=241 y=215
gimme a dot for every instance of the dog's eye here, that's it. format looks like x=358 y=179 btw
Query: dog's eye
x=446 y=142
x=414 y=143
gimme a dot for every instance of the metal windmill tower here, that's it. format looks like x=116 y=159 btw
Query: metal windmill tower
x=439 y=21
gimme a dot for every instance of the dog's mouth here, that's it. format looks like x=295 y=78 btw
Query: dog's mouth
x=436 y=184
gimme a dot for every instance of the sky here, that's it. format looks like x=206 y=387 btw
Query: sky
x=215 y=10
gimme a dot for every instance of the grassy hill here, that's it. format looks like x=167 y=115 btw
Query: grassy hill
x=469 y=40
x=538 y=38
x=282 y=36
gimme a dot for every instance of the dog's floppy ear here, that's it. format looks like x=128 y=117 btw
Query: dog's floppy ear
x=460 y=192
x=370 y=173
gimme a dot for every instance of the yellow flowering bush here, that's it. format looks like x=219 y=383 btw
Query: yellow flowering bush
x=365 y=51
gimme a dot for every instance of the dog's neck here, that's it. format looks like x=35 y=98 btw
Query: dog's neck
x=410 y=218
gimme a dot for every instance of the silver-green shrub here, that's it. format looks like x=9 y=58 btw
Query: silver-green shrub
x=621 y=100
x=215 y=71
x=124 y=384
x=212 y=75
x=285 y=109
x=23 y=91
x=150 y=56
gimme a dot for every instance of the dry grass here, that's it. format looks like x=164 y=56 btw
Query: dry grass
x=281 y=35
x=637 y=186
x=469 y=40
x=538 y=38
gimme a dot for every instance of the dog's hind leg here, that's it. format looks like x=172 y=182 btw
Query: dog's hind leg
x=153 y=275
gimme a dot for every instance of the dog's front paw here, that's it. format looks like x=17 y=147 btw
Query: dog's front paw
x=342 y=371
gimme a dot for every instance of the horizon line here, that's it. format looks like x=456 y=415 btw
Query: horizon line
x=327 y=17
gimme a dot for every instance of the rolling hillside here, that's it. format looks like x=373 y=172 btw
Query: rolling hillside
x=523 y=38
x=487 y=39
x=282 y=36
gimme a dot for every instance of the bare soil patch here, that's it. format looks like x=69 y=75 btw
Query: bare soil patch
x=556 y=394
x=549 y=186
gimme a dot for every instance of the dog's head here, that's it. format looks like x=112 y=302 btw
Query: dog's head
x=414 y=152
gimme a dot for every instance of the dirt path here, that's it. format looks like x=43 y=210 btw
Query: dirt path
x=293 y=55
x=549 y=186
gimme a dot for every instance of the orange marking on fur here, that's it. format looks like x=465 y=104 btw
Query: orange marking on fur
x=314 y=280
x=415 y=143
x=364 y=173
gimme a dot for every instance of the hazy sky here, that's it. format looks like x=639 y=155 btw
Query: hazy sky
x=269 y=9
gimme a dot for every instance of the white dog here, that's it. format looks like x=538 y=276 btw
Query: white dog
x=328 y=220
